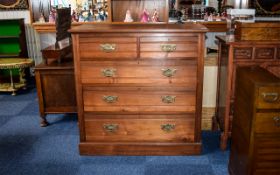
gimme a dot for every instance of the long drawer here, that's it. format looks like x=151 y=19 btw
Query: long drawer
x=138 y=99
x=267 y=123
x=108 y=48
x=140 y=130
x=150 y=73
x=169 y=47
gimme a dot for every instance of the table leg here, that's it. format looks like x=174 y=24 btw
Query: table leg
x=44 y=121
x=12 y=83
x=21 y=77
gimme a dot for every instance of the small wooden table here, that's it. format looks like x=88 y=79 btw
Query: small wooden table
x=14 y=63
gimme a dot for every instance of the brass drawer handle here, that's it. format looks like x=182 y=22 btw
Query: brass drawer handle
x=168 y=47
x=110 y=98
x=168 y=99
x=168 y=127
x=270 y=97
x=169 y=72
x=108 y=47
x=277 y=121
x=111 y=127
x=109 y=72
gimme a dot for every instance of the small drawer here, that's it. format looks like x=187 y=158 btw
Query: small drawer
x=264 y=52
x=148 y=73
x=138 y=100
x=169 y=47
x=269 y=98
x=243 y=53
x=109 y=48
x=140 y=130
x=268 y=123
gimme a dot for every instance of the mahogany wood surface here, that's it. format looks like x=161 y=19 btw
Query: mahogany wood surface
x=55 y=88
x=233 y=54
x=132 y=99
x=255 y=131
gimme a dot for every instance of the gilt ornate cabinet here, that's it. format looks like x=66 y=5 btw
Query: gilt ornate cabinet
x=255 y=146
x=139 y=88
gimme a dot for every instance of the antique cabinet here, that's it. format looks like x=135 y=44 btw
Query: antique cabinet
x=256 y=123
x=56 y=89
x=234 y=54
x=139 y=88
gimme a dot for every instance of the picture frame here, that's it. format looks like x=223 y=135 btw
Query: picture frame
x=13 y=4
x=266 y=8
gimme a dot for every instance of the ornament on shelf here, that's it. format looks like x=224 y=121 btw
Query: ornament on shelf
x=42 y=18
x=128 y=17
x=52 y=15
x=155 y=17
x=74 y=16
x=145 y=16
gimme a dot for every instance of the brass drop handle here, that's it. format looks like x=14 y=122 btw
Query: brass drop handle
x=108 y=47
x=270 y=97
x=169 y=72
x=168 y=47
x=108 y=72
x=277 y=121
x=168 y=127
x=111 y=127
x=168 y=99
x=110 y=98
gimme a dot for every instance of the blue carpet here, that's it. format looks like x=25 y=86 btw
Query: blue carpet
x=26 y=148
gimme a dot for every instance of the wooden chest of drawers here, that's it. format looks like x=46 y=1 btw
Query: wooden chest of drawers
x=255 y=145
x=139 y=88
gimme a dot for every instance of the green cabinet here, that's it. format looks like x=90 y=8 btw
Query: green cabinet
x=12 y=39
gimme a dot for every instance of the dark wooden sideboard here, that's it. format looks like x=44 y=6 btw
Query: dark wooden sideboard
x=233 y=54
x=139 y=88
x=56 y=89
x=255 y=145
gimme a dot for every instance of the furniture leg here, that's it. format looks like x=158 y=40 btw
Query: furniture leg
x=12 y=83
x=223 y=141
x=22 y=80
x=44 y=121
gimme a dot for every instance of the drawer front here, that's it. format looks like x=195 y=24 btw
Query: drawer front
x=150 y=73
x=264 y=52
x=169 y=47
x=108 y=48
x=266 y=155
x=243 y=53
x=269 y=97
x=138 y=100
x=140 y=130
x=268 y=123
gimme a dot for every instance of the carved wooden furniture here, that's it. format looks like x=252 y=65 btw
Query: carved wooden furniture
x=233 y=54
x=56 y=89
x=12 y=64
x=256 y=124
x=139 y=88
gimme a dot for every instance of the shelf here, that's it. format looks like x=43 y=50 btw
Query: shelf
x=213 y=26
x=9 y=55
x=9 y=37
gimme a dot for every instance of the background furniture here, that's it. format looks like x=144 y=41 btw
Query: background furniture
x=12 y=38
x=139 y=88
x=56 y=89
x=13 y=45
x=11 y=64
x=256 y=124
x=234 y=54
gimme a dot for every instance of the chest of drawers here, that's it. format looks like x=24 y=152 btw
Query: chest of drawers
x=139 y=88
x=255 y=147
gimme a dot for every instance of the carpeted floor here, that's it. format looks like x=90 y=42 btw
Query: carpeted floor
x=26 y=148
